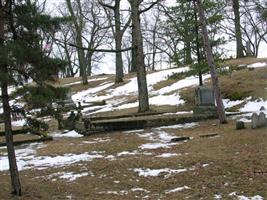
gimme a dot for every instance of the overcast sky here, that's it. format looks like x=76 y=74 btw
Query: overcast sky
x=108 y=65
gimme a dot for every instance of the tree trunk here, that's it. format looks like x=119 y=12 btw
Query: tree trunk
x=138 y=57
x=15 y=181
x=188 y=53
x=198 y=46
x=154 y=47
x=89 y=62
x=238 y=33
x=118 y=41
x=210 y=60
x=81 y=54
x=81 y=57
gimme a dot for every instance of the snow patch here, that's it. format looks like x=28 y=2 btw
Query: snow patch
x=85 y=95
x=254 y=106
x=26 y=159
x=229 y=104
x=183 y=126
x=258 y=65
x=156 y=172
x=179 y=189
x=156 y=145
x=167 y=155
x=166 y=100
x=69 y=176
x=71 y=134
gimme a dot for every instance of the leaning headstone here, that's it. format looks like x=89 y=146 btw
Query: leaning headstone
x=262 y=120
x=254 y=121
x=239 y=125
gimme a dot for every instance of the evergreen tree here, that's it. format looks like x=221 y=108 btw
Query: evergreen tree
x=184 y=25
x=22 y=58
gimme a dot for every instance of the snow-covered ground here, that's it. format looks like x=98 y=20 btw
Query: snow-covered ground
x=168 y=95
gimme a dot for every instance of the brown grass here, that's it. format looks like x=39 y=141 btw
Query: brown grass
x=233 y=158
x=240 y=84
x=244 y=61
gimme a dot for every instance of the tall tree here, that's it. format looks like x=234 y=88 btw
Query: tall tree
x=238 y=32
x=22 y=57
x=118 y=33
x=210 y=60
x=138 y=62
x=15 y=180
x=78 y=24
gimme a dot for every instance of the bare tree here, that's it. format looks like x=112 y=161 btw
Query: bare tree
x=78 y=24
x=118 y=33
x=238 y=33
x=96 y=32
x=138 y=63
x=253 y=27
x=151 y=39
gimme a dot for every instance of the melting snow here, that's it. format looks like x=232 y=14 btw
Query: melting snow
x=85 y=95
x=257 y=65
x=72 y=134
x=184 y=126
x=139 y=190
x=26 y=158
x=152 y=79
x=69 y=176
x=157 y=172
x=134 y=131
x=97 y=140
x=167 y=155
x=241 y=197
x=156 y=145
x=179 y=189
x=229 y=104
x=217 y=196
x=161 y=139
x=187 y=82
x=166 y=100
x=254 y=106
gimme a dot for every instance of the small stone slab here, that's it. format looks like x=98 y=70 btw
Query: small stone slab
x=209 y=135
x=239 y=125
x=179 y=139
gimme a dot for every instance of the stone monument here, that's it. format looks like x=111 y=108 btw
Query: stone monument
x=205 y=101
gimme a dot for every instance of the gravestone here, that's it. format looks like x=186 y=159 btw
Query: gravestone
x=240 y=125
x=254 y=120
x=258 y=121
x=205 y=102
x=262 y=120
x=67 y=104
